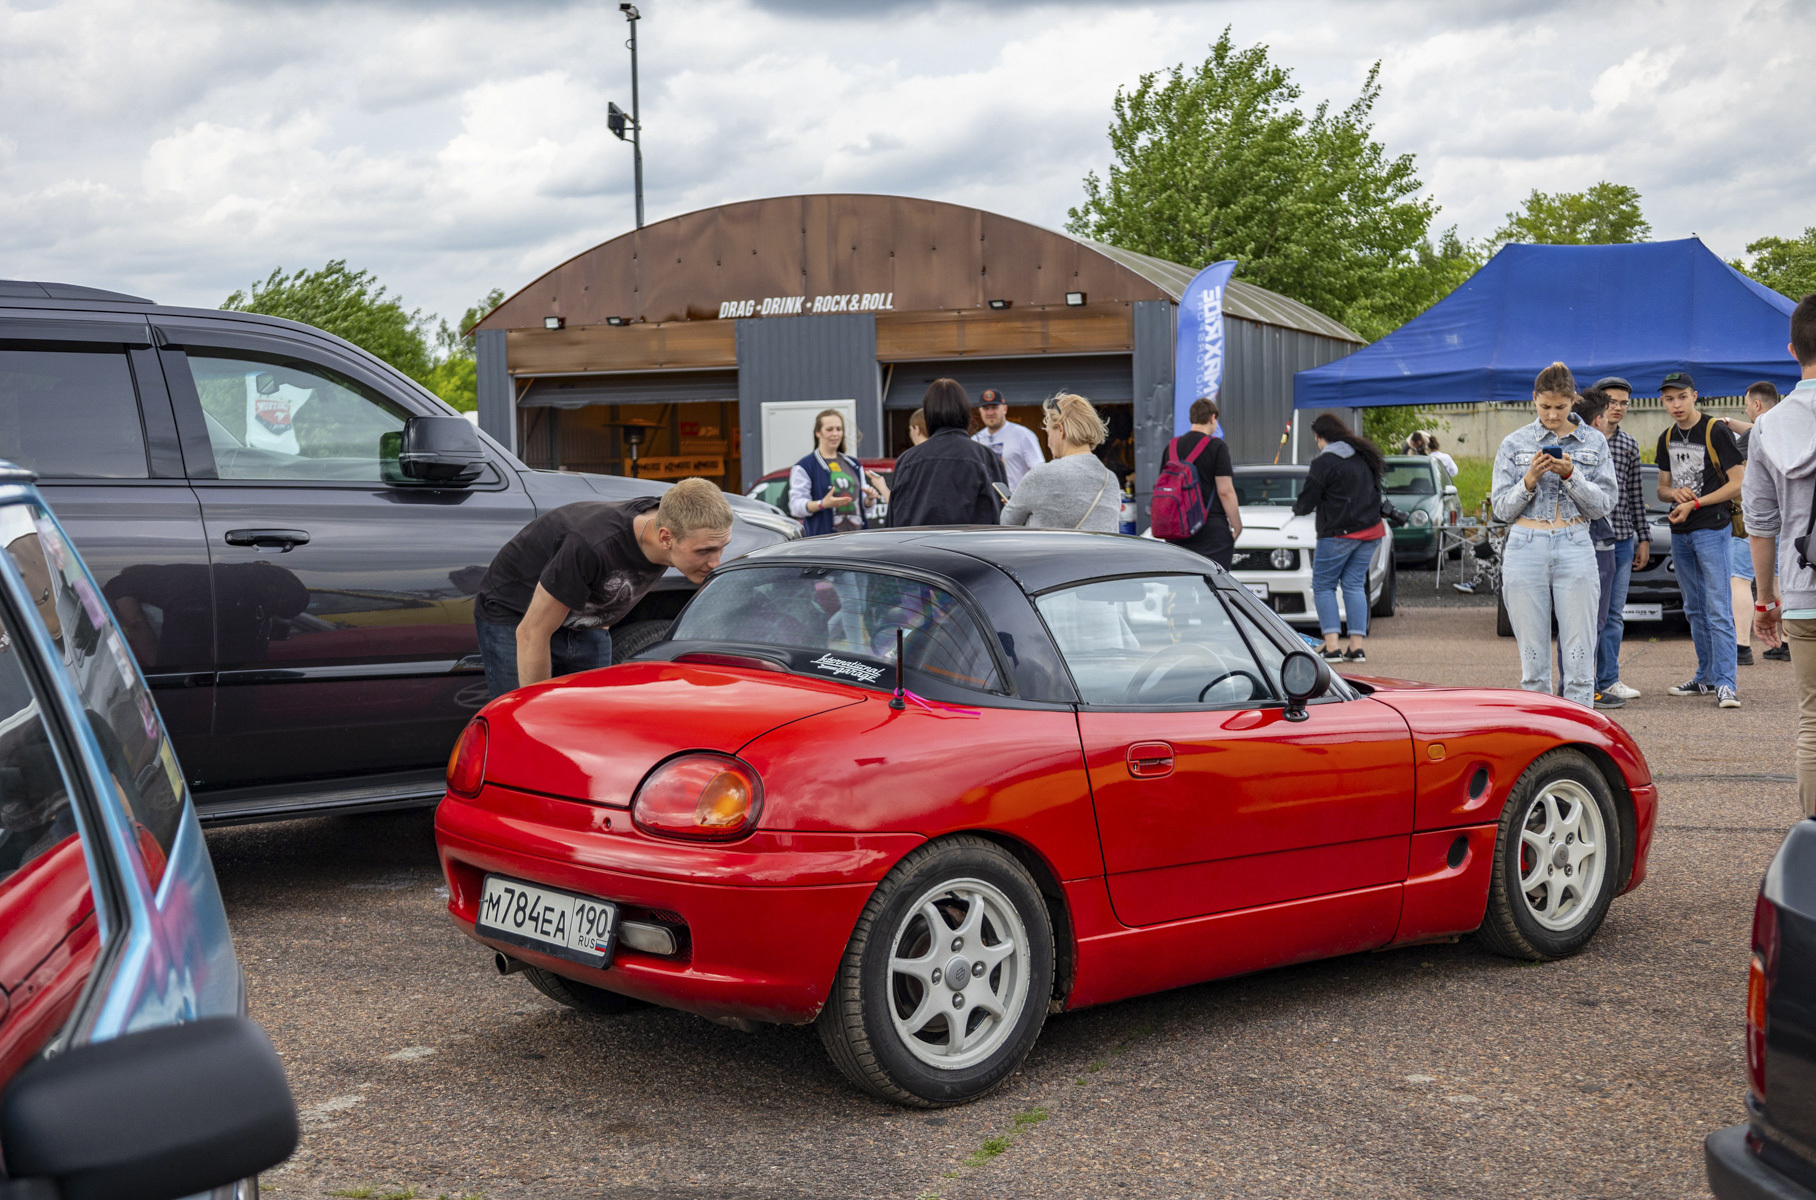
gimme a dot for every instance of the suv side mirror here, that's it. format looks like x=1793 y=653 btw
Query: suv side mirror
x=443 y=451
x=1304 y=676
x=156 y=1115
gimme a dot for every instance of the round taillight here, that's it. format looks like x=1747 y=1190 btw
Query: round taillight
x=705 y=797
x=467 y=765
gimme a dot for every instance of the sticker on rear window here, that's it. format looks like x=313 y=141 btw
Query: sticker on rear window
x=845 y=666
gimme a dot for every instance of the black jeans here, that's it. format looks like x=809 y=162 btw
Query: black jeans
x=570 y=650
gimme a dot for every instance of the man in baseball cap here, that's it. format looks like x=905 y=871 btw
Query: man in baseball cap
x=1015 y=445
x=1700 y=471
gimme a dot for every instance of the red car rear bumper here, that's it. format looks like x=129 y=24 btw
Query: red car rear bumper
x=767 y=917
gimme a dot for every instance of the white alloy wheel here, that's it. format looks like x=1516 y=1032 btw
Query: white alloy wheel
x=958 y=973
x=1562 y=855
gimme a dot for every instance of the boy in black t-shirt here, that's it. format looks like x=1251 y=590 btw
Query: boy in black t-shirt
x=548 y=601
x=1700 y=468
x=1216 y=538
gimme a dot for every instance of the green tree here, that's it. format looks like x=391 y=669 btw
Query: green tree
x=1219 y=162
x=1786 y=265
x=1601 y=215
x=455 y=378
x=347 y=304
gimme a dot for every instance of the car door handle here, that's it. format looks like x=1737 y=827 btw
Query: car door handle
x=1150 y=760
x=283 y=539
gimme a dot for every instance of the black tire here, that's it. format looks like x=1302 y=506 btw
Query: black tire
x=1513 y=925
x=1384 y=607
x=582 y=996
x=1503 y=624
x=630 y=640
x=859 y=1023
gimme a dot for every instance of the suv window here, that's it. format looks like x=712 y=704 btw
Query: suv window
x=145 y=775
x=71 y=414
x=286 y=420
x=1165 y=640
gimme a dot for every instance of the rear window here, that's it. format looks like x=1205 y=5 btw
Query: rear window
x=71 y=414
x=844 y=612
x=1268 y=489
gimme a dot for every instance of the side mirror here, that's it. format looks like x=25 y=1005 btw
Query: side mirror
x=156 y=1115
x=1304 y=676
x=442 y=451
x=1450 y=489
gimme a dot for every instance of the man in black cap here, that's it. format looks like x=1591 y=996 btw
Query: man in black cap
x=1632 y=539
x=1700 y=471
x=1015 y=446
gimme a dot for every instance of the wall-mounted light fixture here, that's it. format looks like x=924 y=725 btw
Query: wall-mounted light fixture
x=554 y=322
x=1075 y=299
x=617 y=320
x=999 y=304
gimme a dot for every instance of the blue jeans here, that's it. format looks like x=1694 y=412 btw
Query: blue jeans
x=1614 y=622
x=1703 y=571
x=1740 y=559
x=570 y=650
x=1342 y=563
x=1546 y=572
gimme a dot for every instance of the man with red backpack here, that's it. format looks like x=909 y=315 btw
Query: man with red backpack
x=1195 y=494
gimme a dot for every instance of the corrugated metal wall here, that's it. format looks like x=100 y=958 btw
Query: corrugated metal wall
x=1257 y=398
x=497 y=412
x=806 y=358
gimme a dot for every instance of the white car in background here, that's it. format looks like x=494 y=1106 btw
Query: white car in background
x=1274 y=554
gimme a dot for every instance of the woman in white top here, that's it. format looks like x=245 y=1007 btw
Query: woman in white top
x=1075 y=490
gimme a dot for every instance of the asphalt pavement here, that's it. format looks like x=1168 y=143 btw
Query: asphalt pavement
x=1432 y=1071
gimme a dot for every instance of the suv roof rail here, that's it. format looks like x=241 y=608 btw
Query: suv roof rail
x=20 y=289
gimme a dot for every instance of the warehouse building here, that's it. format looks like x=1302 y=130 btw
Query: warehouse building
x=704 y=344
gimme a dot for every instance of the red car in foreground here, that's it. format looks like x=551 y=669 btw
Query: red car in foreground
x=1103 y=769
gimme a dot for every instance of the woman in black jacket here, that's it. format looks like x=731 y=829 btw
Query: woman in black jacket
x=946 y=480
x=1344 y=488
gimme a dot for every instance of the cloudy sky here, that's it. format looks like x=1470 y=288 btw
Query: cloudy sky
x=182 y=148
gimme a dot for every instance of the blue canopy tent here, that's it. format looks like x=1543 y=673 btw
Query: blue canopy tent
x=1637 y=311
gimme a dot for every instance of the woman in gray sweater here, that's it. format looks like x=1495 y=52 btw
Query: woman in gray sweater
x=1075 y=490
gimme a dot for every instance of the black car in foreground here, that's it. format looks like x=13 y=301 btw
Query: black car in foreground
x=1772 y=1154
x=290 y=533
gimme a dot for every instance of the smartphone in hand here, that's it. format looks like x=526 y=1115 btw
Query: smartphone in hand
x=1002 y=491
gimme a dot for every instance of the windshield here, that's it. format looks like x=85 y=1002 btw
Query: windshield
x=1409 y=479
x=1281 y=489
x=845 y=612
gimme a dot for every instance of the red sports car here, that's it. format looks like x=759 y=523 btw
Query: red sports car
x=1097 y=767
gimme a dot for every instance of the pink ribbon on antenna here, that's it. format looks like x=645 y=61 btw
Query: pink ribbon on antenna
x=942 y=710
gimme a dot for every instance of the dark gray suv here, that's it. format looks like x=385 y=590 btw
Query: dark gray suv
x=290 y=533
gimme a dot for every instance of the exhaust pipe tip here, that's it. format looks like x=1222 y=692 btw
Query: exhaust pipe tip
x=506 y=964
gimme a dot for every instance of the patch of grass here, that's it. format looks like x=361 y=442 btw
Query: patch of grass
x=372 y=1193
x=989 y=1150
x=1096 y=1065
x=1474 y=477
x=1033 y=1116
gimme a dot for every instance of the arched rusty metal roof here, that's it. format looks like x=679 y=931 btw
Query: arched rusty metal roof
x=879 y=253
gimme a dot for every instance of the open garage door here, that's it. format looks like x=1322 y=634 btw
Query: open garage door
x=653 y=424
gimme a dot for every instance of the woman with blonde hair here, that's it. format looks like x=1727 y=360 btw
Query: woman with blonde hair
x=1075 y=490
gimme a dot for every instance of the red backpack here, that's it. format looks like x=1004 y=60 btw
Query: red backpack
x=1178 y=508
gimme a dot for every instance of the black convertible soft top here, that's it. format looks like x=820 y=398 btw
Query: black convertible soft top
x=1036 y=559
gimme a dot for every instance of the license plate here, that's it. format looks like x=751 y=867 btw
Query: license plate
x=1643 y=612
x=578 y=928
x=1260 y=589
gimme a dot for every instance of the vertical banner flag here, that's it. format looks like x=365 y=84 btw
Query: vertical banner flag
x=1198 y=352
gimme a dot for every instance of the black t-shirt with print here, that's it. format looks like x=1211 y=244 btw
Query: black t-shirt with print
x=1685 y=454
x=584 y=555
x=1214 y=534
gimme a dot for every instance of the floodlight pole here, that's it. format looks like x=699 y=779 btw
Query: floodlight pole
x=632 y=15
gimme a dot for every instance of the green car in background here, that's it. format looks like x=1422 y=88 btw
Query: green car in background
x=1419 y=487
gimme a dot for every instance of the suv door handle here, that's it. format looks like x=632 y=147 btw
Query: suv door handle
x=283 y=539
x=1150 y=760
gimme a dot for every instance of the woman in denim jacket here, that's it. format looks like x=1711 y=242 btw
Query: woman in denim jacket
x=1551 y=478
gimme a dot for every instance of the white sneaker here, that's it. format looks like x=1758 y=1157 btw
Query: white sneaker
x=1725 y=698
x=1617 y=688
